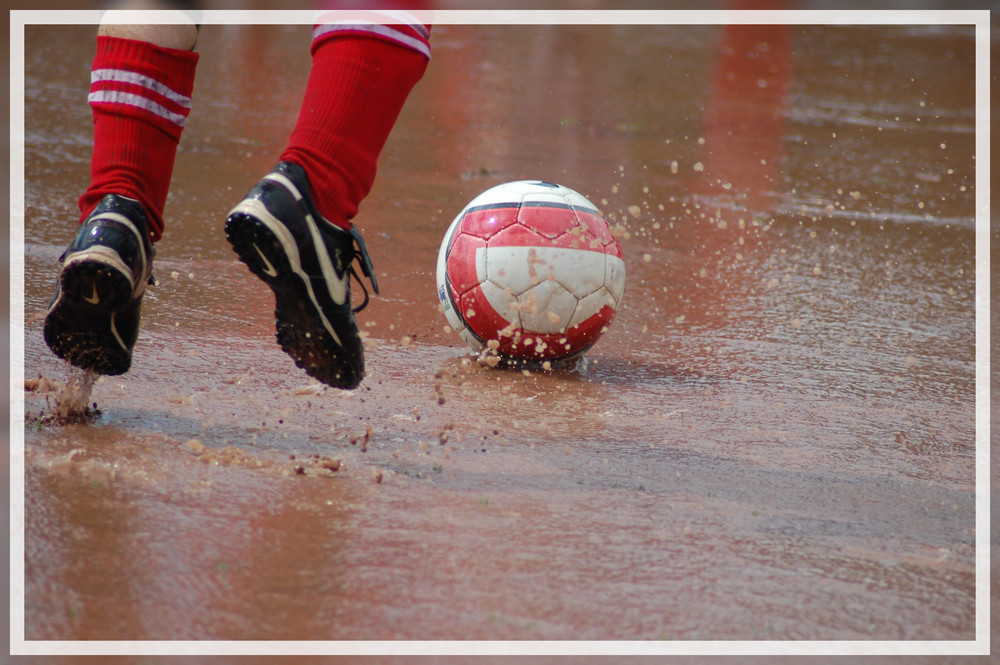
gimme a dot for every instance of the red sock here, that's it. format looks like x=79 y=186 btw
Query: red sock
x=140 y=95
x=356 y=89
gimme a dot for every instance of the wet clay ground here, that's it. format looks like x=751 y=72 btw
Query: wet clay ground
x=774 y=441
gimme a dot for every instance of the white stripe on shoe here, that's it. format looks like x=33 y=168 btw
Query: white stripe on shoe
x=256 y=209
x=336 y=285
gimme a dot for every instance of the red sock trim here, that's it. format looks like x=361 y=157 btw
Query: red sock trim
x=356 y=89
x=140 y=96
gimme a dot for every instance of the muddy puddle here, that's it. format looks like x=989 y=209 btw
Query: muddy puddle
x=774 y=441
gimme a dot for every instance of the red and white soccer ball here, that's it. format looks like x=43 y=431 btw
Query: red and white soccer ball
x=530 y=271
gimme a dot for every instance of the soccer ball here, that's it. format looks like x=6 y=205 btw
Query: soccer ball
x=529 y=271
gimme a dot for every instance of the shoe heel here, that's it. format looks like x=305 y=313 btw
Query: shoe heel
x=257 y=247
x=92 y=285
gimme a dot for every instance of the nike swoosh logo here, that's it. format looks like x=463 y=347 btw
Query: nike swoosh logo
x=268 y=268
x=93 y=298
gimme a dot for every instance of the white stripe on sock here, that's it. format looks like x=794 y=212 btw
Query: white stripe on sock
x=135 y=78
x=131 y=99
x=419 y=45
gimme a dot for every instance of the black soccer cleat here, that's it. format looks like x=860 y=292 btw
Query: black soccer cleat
x=93 y=318
x=308 y=262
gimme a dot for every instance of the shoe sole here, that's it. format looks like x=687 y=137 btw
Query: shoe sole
x=307 y=334
x=80 y=325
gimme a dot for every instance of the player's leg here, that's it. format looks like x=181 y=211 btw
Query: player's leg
x=294 y=228
x=141 y=82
